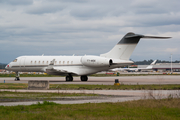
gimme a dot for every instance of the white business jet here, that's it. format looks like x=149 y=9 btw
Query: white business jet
x=82 y=66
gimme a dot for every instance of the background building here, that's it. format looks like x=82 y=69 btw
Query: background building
x=164 y=67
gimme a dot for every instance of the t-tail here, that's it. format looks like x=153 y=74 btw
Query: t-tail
x=125 y=47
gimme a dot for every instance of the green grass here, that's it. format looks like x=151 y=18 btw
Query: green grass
x=26 y=75
x=6 y=96
x=166 y=109
x=13 y=85
x=38 y=94
x=113 y=87
x=129 y=74
x=93 y=87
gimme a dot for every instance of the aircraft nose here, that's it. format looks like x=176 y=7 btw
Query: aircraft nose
x=7 y=66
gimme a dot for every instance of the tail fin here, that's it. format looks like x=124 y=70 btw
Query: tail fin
x=151 y=65
x=153 y=62
x=124 y=48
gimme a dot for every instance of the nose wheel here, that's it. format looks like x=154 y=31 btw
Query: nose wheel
x=17 y=77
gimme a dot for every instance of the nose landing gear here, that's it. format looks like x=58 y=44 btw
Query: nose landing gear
x=17 y=76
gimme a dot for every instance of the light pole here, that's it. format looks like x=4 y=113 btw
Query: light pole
x=171 y=63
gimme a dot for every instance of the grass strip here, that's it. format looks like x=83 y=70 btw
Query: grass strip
x=114 y=87
x=26 y=75
x=94 y=87
x=165 y=109
x=6 y=96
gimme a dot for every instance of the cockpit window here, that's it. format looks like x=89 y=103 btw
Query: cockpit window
x=15 y=60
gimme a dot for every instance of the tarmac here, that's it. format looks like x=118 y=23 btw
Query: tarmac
x=133 y=80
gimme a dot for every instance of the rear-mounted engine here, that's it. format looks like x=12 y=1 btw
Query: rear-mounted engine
x=96 y=61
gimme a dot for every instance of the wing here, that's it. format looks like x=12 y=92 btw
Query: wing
x=55 y=70
x=61 y=71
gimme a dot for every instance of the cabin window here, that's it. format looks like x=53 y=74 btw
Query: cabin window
x=43 y=62
x=39 y=62
x=15 y=60
x=71 y=62
x=31 y=62
x=93 y=60
x=67 y=62
x=63 y=62
x=55 y=62
x=47 y=62
x=35 y=62
x=59 y=62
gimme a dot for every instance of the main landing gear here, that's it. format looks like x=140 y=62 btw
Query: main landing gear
x=84 y=78
x=17 y=77
x=70 y=78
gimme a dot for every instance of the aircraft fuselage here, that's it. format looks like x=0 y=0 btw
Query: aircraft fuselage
x=77 y=65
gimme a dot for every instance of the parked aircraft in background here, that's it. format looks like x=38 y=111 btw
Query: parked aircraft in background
x=82 y=66
x=135 y=69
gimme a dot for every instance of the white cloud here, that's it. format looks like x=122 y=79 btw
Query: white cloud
x=87 y=27
x=171 y=50
x=16 y=2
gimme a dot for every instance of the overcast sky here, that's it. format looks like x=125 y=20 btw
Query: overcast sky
x=91 y=27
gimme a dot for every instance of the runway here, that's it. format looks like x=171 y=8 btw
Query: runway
x=133 y=80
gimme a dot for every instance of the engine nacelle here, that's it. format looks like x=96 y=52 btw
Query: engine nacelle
x=96 y=61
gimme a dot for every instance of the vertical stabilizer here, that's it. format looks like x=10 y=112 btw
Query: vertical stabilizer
x=125 y=47
x=151 y=65
x=153 y=62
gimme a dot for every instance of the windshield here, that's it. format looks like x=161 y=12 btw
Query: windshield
x=15 y=60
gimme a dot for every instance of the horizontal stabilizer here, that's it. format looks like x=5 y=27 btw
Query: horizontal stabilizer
x=143 y=36
x=155 y=37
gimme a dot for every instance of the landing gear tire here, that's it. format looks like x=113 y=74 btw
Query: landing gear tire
x=17 y=79
x=84 y=78
x=17 y=76
x=69 y=78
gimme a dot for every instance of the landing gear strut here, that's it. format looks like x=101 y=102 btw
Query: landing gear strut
x=84 y=78
x=69 y=78
x=17 y=76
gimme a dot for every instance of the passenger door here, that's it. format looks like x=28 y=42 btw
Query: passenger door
x=22 y=64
